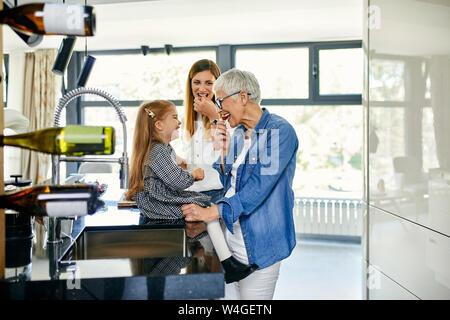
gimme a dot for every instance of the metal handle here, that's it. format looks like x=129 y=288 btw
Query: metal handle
x=315 y=70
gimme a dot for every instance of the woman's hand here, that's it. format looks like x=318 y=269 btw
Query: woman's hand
x=206 y=107
x=221 y=138
x=198 y=174
x=194 y=212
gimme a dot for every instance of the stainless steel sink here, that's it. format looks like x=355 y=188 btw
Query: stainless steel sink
x=129 y=243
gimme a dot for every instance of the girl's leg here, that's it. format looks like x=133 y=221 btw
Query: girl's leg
x=234 y=270
x=218 y=239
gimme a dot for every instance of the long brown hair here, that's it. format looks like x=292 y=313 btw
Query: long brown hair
x=145 y=137
x=190 y=113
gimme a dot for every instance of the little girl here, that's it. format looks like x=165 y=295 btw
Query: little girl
x=157 y=182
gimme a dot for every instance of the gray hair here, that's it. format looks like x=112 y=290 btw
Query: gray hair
x=235 y=80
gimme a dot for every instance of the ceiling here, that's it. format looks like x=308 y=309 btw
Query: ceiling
x=131 y=24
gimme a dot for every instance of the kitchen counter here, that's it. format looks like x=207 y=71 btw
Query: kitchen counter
x=44 y=271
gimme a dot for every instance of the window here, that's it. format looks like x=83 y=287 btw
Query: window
x=341 y=71
x=137 y=77
x=282 y=73
x=329 y=159
x=109 y=118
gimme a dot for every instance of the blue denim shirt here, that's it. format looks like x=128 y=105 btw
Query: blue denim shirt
x=264 y=198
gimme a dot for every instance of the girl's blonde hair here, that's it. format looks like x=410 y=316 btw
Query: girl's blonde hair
x=145 y=137
x=190 y=113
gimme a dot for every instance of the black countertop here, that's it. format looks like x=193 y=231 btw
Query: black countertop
x=43 y=271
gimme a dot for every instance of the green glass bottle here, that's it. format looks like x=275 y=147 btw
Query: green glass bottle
x=70 y=140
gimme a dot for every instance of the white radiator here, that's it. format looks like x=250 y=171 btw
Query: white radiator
x=325 y=216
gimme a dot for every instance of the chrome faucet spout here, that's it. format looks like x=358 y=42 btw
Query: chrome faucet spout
x=54 y=235
x=63 y=102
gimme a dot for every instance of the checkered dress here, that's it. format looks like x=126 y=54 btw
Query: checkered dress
x=164 y=184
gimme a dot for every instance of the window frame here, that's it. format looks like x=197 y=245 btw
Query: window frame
x=225 y=58
x=334 y=98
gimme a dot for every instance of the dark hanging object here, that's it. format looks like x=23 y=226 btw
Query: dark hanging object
x=85 y=71
x=64 y=55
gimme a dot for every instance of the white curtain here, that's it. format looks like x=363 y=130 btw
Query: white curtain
x=440 y=102
x=41 y=88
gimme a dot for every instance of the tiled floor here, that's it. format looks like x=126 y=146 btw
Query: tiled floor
x=319 y=269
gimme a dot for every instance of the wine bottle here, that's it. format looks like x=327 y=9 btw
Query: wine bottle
x=54 y=200
x=71 y=140
x=51 y=18
x=31 y=40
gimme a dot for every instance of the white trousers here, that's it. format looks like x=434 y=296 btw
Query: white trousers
x=260 y=285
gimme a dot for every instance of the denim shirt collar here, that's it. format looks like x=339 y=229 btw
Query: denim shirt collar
x=261 y=123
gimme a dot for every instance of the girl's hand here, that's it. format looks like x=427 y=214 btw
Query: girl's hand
x=198 y=174
x=194 y=212
x=206 y=107
x=181 y=163
x=193 y=229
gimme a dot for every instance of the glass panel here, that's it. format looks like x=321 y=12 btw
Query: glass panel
x=386 y=142
x=387 y=80
x=282 y=73
x=429 y=151
x=407 y=62
x=139 y=77
x=341 y=71
x=329 y=158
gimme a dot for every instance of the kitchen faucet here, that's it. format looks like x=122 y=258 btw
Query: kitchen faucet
x=54 y=224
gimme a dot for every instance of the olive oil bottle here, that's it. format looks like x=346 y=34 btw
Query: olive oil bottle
x=70 y=140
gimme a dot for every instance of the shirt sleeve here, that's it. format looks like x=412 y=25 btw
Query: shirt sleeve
x=163 y=165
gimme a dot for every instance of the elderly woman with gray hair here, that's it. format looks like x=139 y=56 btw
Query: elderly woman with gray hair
x=256 y=168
